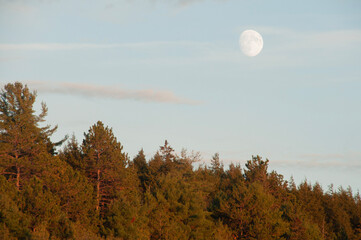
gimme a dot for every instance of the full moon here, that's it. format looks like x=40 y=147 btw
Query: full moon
x=251 y=43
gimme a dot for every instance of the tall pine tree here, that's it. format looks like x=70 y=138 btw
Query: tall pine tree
x=104 y=162
x=21 y=137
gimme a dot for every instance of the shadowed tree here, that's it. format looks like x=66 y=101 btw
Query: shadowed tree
x=167 y=154
x=14 y=224
x=155 y=167
x=216 y=164
x=256 y=170
x=72 y=154
x=141 y=167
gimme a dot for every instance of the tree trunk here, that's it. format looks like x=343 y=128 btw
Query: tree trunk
x=17 y=171
x=98 y=189
x=17 y=177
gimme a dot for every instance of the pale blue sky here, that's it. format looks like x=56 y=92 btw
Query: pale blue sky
x=174 y=70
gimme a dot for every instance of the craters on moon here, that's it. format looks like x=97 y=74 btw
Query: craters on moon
x=251 y=43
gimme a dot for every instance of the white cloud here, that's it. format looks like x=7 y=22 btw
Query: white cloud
x=17 y=7
x=283 y=48
x=287 y=39
x=113 y=92
x=340 y=38
x=77 y=46
x=318 y=160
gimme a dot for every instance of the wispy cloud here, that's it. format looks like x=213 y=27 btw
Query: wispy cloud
x=9 y=58
x=184 y=3
x=76 y=46
x=113 y=92
x=320 y=164
x=289 y=39
x=338 y=38
x=17 y=6
x=346 y=160
x=283 y=48
x=331 y=160
x=278 y=42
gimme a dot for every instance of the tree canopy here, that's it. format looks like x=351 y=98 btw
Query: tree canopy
x=93 y=190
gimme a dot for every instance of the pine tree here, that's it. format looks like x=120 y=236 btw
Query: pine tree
x=105 y=162
x=21 y=137
x=155 y=166
x=256 y=170
x=167 y=154
x=216 y=164
x=14 y=224
x=72 y=154
x=141 y=167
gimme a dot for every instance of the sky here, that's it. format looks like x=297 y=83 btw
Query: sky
x=156 y=70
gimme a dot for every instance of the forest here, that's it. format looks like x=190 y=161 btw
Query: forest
x=92 y=189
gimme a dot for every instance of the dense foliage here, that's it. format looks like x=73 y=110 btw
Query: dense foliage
x=93 y=190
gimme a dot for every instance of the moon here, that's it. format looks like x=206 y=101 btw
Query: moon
x=251 y=43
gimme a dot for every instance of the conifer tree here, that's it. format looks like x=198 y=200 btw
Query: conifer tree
x=21 y=137
x=91 y=191
x=216 y=164
x=167 y=154
x=155 y=166
x=141 y=167
x=105 y=162
x=14 y=224
x=139 y=161
x=72 y=154
x=256 y=170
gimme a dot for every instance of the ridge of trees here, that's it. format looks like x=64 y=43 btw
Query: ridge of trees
x=93 y=190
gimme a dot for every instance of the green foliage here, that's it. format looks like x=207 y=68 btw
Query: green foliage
x=105 y=163
x=13 y=222
x=142 y=169
x=21 y=137
x=93 y=191
x=101 y=148
x=72 y=154
x=256 y=170
x=216 y=164
x=126 y=218
x=73 y=190
x=83 y=231
x=177 y=211
x=39 y=203
x=251 y=212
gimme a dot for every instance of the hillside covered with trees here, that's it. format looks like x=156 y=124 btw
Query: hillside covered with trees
x=91 y=189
